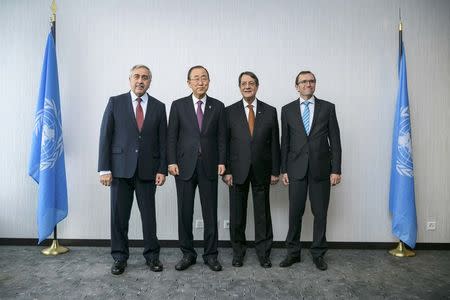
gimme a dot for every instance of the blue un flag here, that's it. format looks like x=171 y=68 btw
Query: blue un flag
x=401 y=196
x=47 y=166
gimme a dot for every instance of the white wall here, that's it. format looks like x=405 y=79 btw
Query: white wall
x=352 y=47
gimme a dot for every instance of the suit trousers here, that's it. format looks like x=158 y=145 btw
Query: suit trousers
x=122 y=190
x=319 y=197
x=262 y=216
x=208 y=200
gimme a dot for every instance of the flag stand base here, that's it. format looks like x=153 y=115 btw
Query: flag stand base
x=55 y=249
x=401 y=251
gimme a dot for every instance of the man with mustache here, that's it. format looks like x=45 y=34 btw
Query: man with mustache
x=253 y=157
x=196 y=156
x=132 y=159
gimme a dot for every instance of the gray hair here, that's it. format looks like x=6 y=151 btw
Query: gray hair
x=141 y=67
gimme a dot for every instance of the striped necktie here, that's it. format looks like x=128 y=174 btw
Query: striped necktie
x=306 y=116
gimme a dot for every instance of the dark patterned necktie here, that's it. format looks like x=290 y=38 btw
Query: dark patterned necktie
x=139 y=114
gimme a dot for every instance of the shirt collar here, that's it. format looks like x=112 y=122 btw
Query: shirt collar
x=144 y=97
x=254 y=103
x=196 y=100
x=311 y=100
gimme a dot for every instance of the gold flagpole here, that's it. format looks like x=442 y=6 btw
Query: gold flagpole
x=55 y=248
x=401 y=250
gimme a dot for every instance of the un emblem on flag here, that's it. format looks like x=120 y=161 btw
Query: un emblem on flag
x=48 y=125
x=404 y=148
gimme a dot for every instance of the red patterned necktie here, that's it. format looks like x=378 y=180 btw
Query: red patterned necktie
x=139 y=114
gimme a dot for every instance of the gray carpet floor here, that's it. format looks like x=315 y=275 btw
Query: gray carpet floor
x=84 y=273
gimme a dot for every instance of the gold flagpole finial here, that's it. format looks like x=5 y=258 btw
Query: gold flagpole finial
x=53 y=7
x=400 y=24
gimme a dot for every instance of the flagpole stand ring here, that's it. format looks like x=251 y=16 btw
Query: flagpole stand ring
x=55 y=249
x=401 y=251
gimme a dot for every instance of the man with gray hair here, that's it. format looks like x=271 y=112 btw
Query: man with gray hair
x=132 y=159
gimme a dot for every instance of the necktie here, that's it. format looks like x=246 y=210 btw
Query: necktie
x=199 y=114
x=306 y=116
x=139 y=114
x=251 y=119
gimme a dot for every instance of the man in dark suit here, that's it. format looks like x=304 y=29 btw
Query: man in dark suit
x=196 y=156
x=310 y=162
x=132 y=158
x=253 y=156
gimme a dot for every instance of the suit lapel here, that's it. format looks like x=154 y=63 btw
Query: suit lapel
x=130 y=111
x=297 y=113
x=258 y=116
x=189 y=109
x=316 y=114
x=207 y=113
x=242 y=118
x=148 y=111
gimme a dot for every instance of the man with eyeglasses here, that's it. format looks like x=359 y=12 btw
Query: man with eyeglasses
x=253 y=157
x=196 y=156
x=310 y=163
x=132 y=159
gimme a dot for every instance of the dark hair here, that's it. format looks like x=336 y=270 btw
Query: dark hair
x=196 y=67
x=302 y=73
x=251 y=74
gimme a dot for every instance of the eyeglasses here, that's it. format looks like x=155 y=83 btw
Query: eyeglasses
x=250 y=83
x=312 y=81
x=143 y=77
x=198 y=79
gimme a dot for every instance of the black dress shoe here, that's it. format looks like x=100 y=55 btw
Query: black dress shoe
x=265 y=263
x=155 y=265
x=237 y=262
x=289 y=261
x=118 y=267
x=213 y=264
x=185 y=263
x=320 y=263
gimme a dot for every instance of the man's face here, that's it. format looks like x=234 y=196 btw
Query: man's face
x=198 y=82
x=248 y=88
x=140 y=81
x=306 y=85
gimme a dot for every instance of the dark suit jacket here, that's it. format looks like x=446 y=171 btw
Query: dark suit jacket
x=320 y=151
x=123 y=148
x=184 y=137
x=262 y=151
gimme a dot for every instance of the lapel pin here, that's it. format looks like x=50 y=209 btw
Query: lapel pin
x=209 y=107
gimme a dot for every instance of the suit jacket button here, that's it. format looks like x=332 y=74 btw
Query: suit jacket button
x=136 y=151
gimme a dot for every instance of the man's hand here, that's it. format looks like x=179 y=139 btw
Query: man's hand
x=106 y=179
x=160 y=179
x=228 y=179
x=335 y=179
x=220 y=169
x=274 y=179
x=173 y=170
x=285 y=179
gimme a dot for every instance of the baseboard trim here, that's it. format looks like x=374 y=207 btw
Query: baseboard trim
x=222 y=244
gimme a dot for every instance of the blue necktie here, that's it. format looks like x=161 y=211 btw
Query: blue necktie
x=306 y=116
